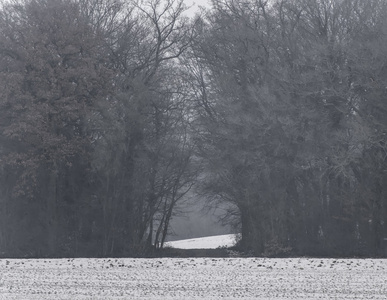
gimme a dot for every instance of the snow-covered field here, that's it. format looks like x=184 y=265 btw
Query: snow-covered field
x=210 y=242
x=196 y=278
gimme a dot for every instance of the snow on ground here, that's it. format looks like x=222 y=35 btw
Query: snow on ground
x=211 y=242
x=193 y=278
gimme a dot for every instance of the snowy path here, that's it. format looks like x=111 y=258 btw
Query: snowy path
x=198 y=278
x=210 y=242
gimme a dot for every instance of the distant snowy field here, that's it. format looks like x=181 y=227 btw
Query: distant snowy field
x=196 y=278
x=211 y=242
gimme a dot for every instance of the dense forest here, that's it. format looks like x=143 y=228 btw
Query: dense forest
x=113 y=112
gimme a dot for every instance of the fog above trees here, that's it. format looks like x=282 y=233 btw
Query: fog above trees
x=114 y=113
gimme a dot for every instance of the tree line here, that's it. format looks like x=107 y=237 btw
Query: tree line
x=112 y=112
x=95 y=141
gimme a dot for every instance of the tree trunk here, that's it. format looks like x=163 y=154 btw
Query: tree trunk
x=51 y=214
x=252 y=237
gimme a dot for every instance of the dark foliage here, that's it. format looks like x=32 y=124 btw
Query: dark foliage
x=111 y=111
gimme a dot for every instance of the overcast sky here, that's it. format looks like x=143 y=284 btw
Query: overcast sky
x=195 y=4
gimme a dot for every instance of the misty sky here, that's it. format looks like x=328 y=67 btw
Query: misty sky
x=195 y=5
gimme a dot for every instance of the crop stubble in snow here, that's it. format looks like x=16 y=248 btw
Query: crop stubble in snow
x=206 y=278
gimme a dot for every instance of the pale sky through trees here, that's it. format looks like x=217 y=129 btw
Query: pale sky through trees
x=195 y=5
